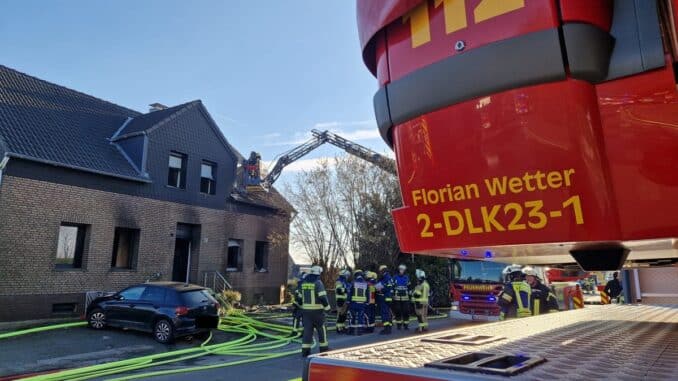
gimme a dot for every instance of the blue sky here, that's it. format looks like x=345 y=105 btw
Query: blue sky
x=268 y=71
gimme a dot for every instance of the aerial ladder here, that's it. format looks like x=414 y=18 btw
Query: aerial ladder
x=252 y=167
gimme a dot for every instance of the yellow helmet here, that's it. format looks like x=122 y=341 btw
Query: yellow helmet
x=382 y=268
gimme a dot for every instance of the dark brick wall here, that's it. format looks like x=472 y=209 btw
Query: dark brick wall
x=31 y=212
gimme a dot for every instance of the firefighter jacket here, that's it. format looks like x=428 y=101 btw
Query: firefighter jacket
x=514 y=300
x=401 y=287
x=312 y=294
x=342 y=289
x=543 y=300
x=421 y=293
x=293 y=292
x=385 y=286
x=613 y=288
x=371 y=292
x=359 y=291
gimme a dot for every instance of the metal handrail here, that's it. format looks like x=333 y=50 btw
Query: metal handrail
x=216 y=278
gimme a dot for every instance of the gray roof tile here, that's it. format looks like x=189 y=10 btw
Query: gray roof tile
x=49 y=123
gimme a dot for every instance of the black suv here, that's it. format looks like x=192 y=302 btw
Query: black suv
x=167 y=309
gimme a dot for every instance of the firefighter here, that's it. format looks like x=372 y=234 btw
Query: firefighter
x=293 y=292
x=371 y=307
x=357 y=302
x=401 y=298
x=613 y=288
x=384 y=299
x=514 y=299
x=420 y=298
x=342 y=289
x=314 y=305
x=542 y=300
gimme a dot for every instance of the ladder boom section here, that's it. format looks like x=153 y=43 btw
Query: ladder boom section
x=319 y=138
x=381 y=161
x=290 y=157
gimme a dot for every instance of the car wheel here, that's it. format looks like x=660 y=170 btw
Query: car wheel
x=97 y=319
x=163 y=331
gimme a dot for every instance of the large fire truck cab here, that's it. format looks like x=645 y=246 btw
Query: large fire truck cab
x=533 y=132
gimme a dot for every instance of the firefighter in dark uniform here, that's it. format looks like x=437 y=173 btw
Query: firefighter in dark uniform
x=514 y=299
x=401 y=298
x=542 y=299
x=385 y=299
x=314 y=305
x=358 y=303
x=342 y=288
x=293 y=291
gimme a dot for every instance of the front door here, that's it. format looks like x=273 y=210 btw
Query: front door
x=182 y=255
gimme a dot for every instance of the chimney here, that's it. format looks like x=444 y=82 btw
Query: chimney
x=156 y=107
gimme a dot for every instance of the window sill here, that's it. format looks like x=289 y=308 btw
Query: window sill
x=175 y=188
x=263 y=271
x=233 y=270
x=207 y=194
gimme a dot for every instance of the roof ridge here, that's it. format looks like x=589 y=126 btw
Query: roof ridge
x=180 y=109
x=136 y=113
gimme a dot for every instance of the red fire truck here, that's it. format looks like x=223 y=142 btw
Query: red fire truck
x=474 y=287
x=532 y=132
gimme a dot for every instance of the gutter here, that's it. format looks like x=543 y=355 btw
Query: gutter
x=3 y=164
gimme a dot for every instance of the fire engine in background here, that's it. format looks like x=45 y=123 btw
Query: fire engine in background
x=474 y=287
x=537 y=132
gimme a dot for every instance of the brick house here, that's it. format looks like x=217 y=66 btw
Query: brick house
x=95 y=196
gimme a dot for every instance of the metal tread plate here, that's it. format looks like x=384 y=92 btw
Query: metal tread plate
x=620 y=342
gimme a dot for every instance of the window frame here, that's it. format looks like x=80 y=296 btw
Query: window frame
x=133 y=253
x=182 y=171
x=78 y=251
x=239 y=259
x=266 y=252
x=211 y=182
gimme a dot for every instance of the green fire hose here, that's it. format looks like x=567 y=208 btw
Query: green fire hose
x=277 y=336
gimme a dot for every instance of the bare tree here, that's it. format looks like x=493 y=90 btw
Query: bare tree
x=330 y=201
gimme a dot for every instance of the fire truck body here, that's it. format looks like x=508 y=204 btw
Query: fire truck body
x=536 y=132
x=528 y=130
x=615 y=342
x=474 y=288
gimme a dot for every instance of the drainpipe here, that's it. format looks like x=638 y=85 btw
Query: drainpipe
x=3 y=164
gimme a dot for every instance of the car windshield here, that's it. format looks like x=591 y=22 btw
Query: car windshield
x=466 y=271
x=197 y=297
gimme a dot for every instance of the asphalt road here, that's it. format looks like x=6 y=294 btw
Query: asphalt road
x=290 y=367
x=78 y=347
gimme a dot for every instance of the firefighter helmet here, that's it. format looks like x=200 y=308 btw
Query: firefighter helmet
x=421 y=274
x=316 y=270
x=402 y=267
x=530 y=271
x=383 y=268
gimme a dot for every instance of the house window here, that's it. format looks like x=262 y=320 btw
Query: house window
x=125 y=248
x=207 y=180
x=234 y=259
x=71 y=245
x=261 y=257
x=177 y=170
